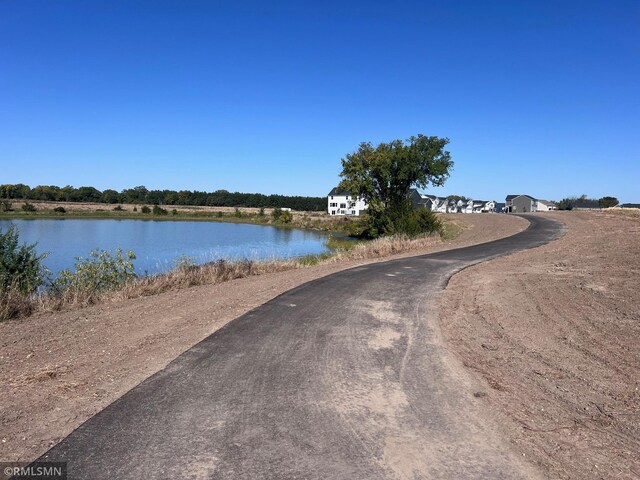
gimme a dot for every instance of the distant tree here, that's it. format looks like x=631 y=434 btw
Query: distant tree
x=110 y=196
x=45 y=192
x=566 y=203
x=14 y=191
x=68 y=194
x=457 y=197
x=383 y=176
x=607 y=202
x=135 y=195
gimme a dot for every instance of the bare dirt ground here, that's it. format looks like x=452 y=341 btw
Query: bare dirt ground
x=553 y=337
x=59 y=369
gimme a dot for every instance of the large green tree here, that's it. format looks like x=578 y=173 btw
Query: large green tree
x=384 y=175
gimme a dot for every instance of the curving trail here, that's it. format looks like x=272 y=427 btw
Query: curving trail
x=343 y=377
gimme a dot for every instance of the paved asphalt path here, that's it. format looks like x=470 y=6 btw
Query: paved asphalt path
x=341 y=378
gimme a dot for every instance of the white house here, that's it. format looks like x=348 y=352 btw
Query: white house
x=341 y=202
x=452 y=206
x=467 y=207
x=484 y=206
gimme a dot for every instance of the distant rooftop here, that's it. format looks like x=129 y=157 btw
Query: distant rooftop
x=511 y=197
x=337 y=192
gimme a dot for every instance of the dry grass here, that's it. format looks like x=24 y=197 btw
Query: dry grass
x=185 y=276
x=15 y=304
x=383 y=247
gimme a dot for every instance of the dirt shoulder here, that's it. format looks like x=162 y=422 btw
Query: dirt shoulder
x=59 y=369
x=551 y=335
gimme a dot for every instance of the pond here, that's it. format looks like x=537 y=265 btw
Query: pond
x=159 y=244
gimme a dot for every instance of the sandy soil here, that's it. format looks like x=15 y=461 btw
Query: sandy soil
x=59 y=369
x=552 y=336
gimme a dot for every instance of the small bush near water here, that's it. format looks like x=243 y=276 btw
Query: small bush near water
x=100 y=272
x=282 y=216
x=28 y=207
x=21 y=267
x=157 y=210
x=21 y=273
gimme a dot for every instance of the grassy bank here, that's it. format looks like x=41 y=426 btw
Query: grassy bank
x=186 y=275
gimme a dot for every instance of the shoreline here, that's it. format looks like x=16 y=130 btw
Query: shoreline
x=304 y=220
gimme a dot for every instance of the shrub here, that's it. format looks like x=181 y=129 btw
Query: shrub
x=28 y=207
x=145 y=209
x=404 y=221
x=102 y=271
x=286 y=216
x=135 y=209
x=174 y=212
x=238 y=213
x=157 y=210
x=119 y=208
x=60 y=210
x=261 y=212
x=5 y=206
x=21 y=268
x=283 y=216
x=219 y=214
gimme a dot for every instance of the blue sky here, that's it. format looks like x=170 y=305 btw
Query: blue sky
x=537 y=97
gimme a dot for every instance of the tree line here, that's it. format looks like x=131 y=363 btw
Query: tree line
x=141 y=195
x=583 y=201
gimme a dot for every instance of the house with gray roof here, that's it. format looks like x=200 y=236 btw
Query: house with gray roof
x=526 y=204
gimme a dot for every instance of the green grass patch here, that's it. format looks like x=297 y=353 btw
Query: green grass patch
x=451 y=230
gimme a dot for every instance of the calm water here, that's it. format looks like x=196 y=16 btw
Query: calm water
x=158 y=244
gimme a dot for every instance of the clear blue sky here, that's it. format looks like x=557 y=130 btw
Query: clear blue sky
x=537 y=97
